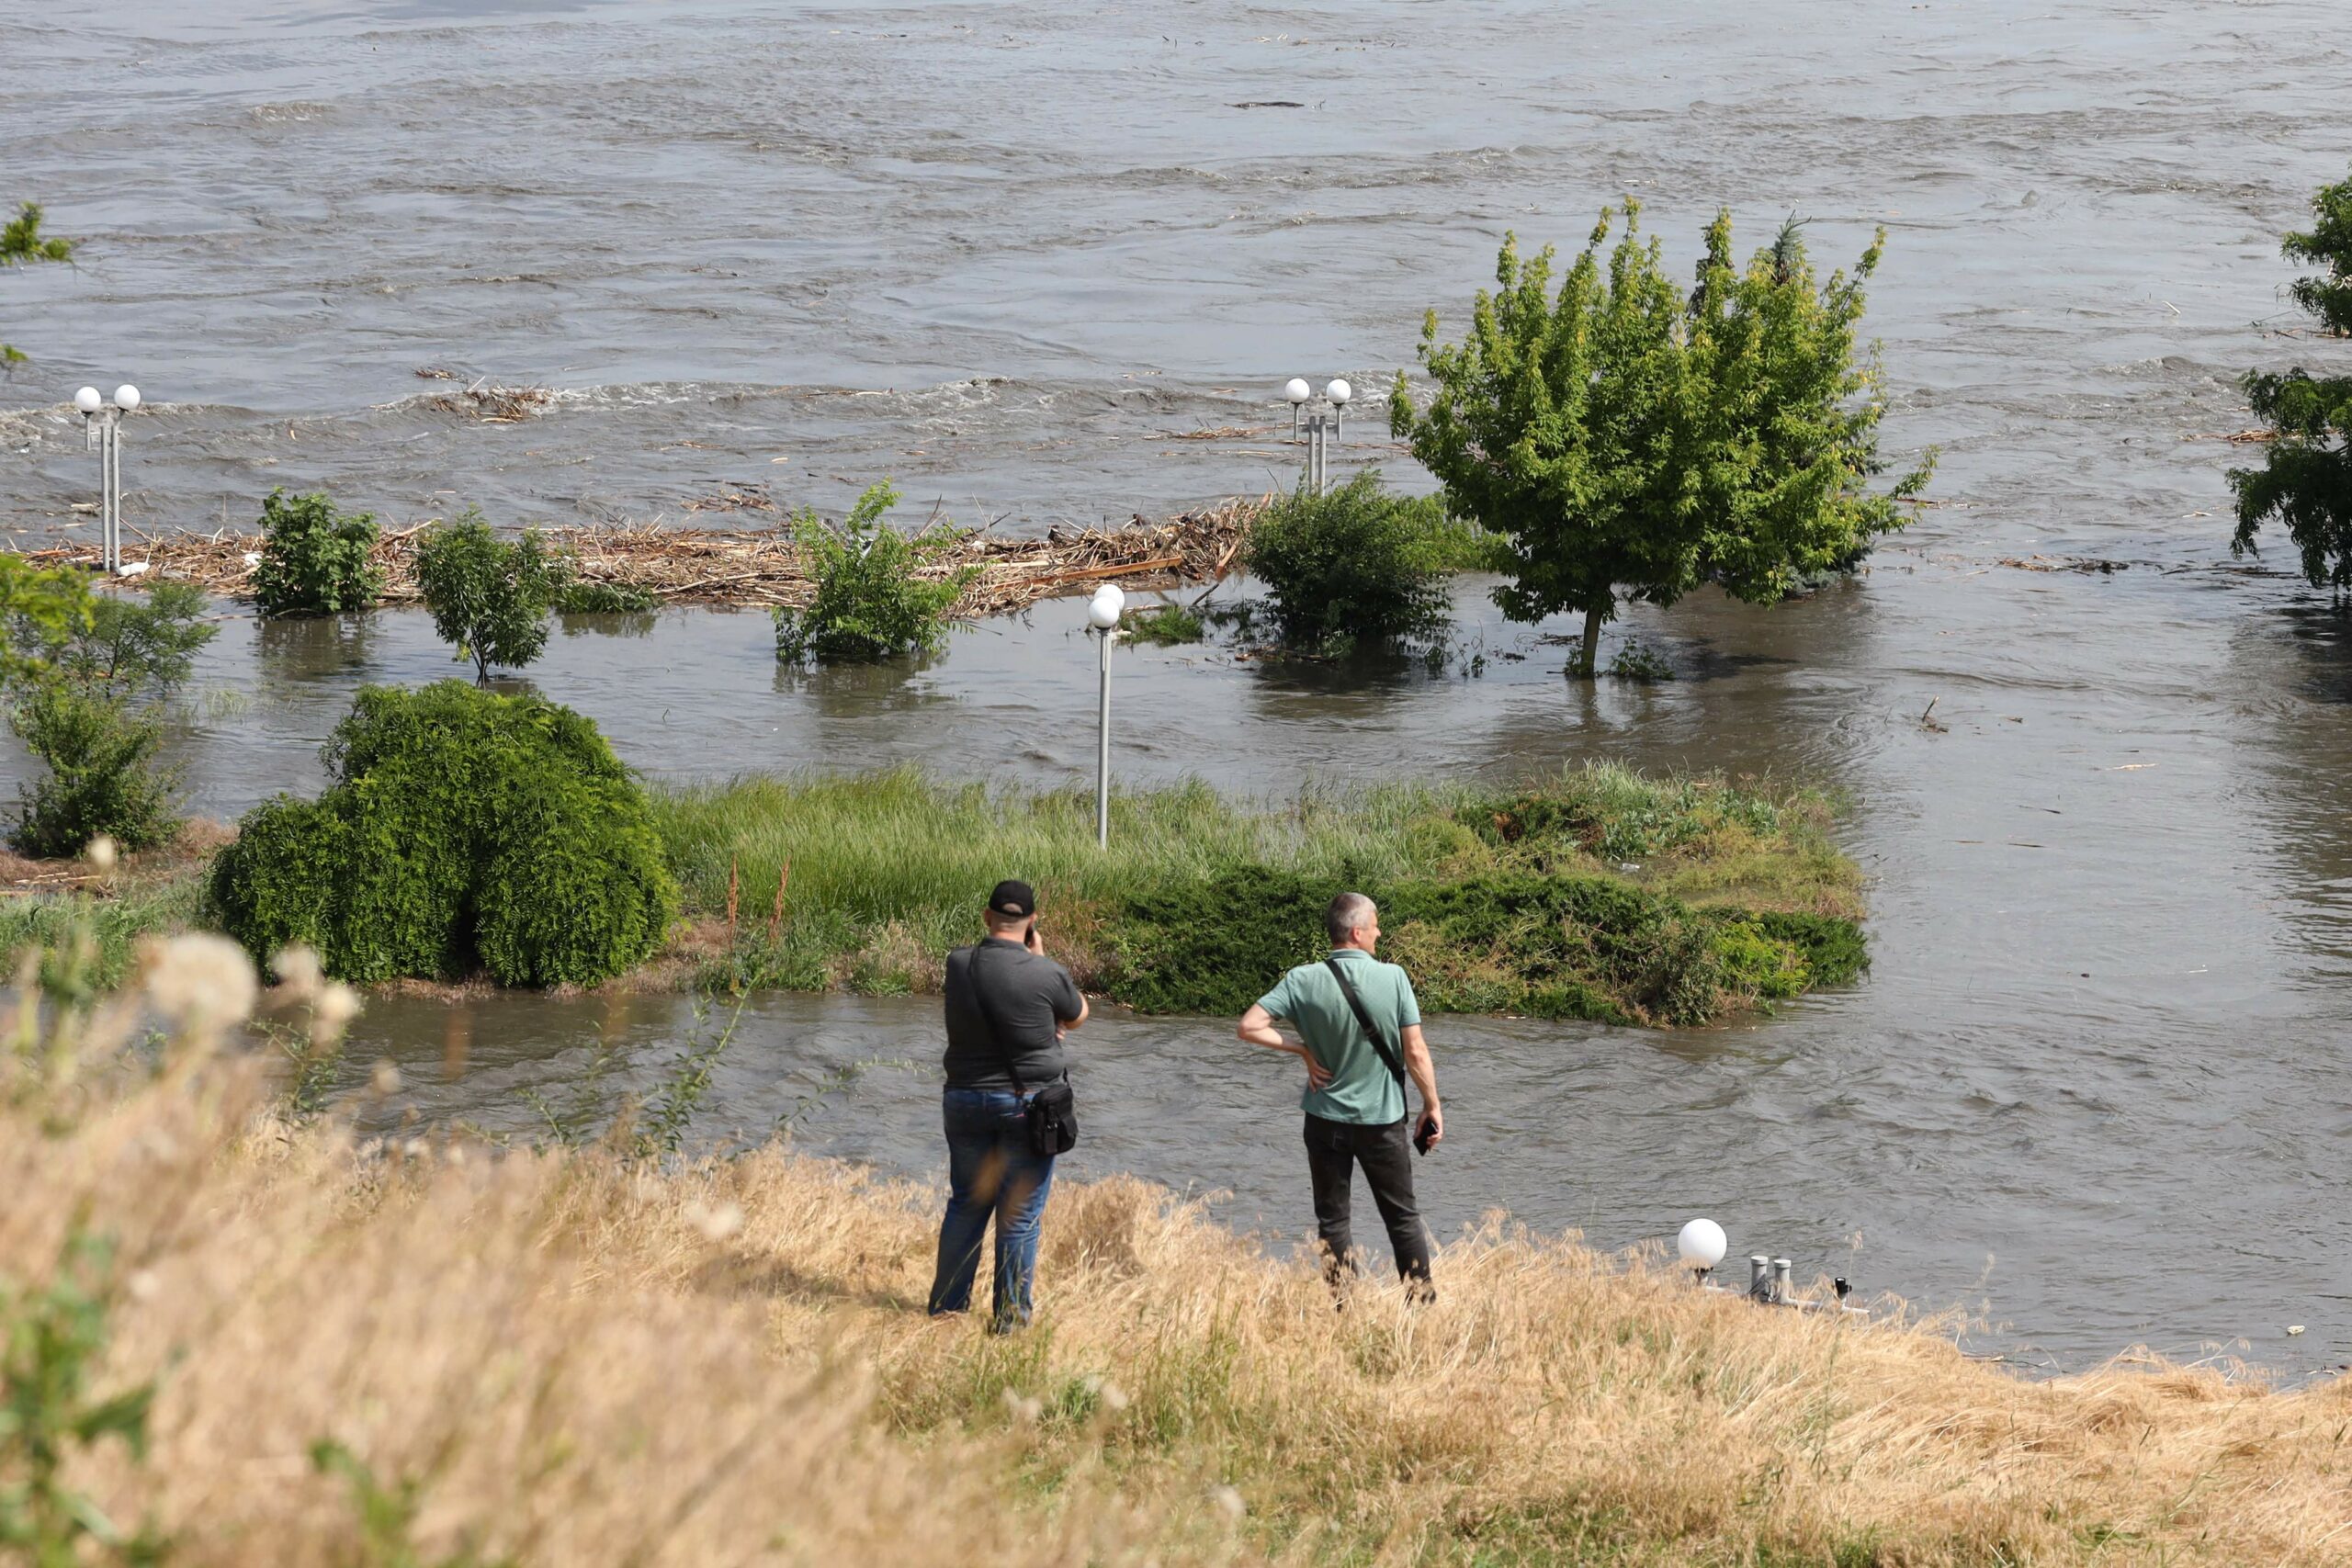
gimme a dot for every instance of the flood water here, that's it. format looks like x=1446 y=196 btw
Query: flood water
x=2095 y=1086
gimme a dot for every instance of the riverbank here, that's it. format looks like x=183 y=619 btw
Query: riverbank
x=574 y=1356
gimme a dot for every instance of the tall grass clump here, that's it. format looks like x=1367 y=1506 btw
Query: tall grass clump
x=1516 y=901
x=243 y=1337
x=1360 y=566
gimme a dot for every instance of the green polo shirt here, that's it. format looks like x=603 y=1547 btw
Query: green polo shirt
x=1363 y=1089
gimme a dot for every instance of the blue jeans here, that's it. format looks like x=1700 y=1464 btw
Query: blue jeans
x=992 y=1173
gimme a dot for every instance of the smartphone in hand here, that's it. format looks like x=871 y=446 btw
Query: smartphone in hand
x=1422 y=1134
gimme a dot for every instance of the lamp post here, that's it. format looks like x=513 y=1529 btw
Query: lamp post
x=1323 y=431
x=1102 y=622
x=102 y=427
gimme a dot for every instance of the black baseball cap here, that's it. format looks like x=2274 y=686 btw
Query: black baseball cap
x=1014 y=899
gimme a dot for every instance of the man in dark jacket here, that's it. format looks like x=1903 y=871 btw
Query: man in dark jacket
x=1008 y=1005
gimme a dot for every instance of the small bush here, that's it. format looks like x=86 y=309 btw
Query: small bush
x=1358 y=566
x=85 y=708
x=462 y=828
x=579 y=598
x=870 y=605
x=315 y=561
x=102 y=776
x=489 y=596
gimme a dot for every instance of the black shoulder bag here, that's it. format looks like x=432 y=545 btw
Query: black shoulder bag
x=1053 y=1114
x=1379 y=1043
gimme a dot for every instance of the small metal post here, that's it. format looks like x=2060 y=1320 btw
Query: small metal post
x=1296 y=412
x=1759 y=1276
x=1783 y=1290
x=1103 y=754
x=114 y=542
x=1339 y=423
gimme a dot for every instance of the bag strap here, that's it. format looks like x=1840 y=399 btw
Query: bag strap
x=987 y=1018
x=1364 y=1016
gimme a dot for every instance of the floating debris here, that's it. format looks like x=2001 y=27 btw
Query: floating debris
x=764 y=566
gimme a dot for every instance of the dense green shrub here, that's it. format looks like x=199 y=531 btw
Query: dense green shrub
x=1164 y=624
x=870 y=605
x=462 y=828
x=315 y=561
x=85 y=704
x=1548 y=946
x=489 y=596
x=1358 y=565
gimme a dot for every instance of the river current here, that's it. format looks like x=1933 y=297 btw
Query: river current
x=2095 y=1087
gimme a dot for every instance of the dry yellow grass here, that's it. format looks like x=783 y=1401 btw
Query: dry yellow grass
x=579 y=1361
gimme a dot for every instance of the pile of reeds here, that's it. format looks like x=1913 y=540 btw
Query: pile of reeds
x=764 y=566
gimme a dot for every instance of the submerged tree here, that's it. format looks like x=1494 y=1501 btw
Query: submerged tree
x=490 y=596
x=21 y=244
x=2305 y=481
x=1634 y=442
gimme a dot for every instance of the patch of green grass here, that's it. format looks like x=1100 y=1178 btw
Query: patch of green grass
x=1165 y=626
x=1597 y=893
x=139 y=906
x=578 y=597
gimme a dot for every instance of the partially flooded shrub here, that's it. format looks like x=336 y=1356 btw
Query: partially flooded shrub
x=315 y=561
x=463 y=828
x=88 y=693
x=490 y=596
x=870 y=605
x=1360 y=566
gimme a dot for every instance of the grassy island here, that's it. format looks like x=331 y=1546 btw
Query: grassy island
x=1595 y=893
x=250 y=1337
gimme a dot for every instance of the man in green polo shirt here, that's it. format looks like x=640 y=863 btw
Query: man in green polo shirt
x=1355 y=1098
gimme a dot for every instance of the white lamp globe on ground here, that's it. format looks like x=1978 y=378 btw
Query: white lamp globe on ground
x=1339 y=391
x=1103 y=611
x=126 y=397
x=1297 y=391
x=1701 y=1243
x=88 y=401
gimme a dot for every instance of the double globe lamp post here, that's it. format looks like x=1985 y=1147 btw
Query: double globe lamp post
x=103 y=423
x=1323 y=431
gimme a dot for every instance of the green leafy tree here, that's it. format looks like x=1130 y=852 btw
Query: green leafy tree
x=91 y=711
x=22 y=244
x=870 y=603
x=2305 y=482
x=38 y=607
x=490 y=596
x=315 y=561
x=1632 y=442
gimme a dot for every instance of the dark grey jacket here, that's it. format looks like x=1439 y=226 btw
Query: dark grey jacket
x=1027 y=994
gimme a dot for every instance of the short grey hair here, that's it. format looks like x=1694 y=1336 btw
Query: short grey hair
x=1347 y=912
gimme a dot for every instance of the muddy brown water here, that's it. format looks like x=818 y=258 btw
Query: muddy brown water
x=2095 y=1086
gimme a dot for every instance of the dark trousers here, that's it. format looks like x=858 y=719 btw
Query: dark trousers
x=1333 y=1150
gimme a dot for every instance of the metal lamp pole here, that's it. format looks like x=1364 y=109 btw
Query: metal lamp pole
x=1102 y=622
x=102 y=421
x=1323 y=430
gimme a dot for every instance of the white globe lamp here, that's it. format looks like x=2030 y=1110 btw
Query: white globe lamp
x=126 y=397
x=88 y=401
x=1701 y=1245
x=1103 y=611
x=1339 y=391
x=1297 y=391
